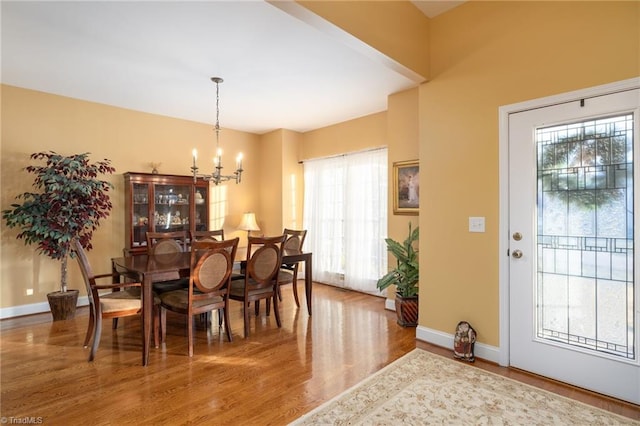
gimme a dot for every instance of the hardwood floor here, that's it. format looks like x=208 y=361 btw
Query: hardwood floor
x=271 y=378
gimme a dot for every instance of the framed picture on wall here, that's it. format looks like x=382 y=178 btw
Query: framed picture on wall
x=406 y=187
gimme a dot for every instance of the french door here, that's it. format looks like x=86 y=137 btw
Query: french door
x=573 y=291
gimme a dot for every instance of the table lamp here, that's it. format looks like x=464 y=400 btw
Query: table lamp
x=248 y=223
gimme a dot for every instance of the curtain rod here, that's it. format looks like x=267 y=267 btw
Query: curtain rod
x=344 y=155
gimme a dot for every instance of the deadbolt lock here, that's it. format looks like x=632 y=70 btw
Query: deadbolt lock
x=517 y=236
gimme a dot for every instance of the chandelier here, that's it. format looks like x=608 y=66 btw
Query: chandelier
x=216 y=176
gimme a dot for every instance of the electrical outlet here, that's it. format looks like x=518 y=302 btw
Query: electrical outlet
x=29 y=292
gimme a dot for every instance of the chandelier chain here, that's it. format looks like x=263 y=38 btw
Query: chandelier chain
x=217 y=106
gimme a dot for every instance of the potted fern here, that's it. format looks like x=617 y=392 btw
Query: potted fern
x=405 y=277
x=69 y=202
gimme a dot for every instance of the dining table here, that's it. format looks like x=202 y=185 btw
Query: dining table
x=163 y=267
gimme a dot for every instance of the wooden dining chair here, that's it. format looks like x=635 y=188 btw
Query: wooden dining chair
x=123 y=300
x=213 y=235
x=264 y=257
x=209 y=282
x=168 y=243
x=288 y=273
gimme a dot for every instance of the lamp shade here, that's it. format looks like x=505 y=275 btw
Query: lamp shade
x=248 y=222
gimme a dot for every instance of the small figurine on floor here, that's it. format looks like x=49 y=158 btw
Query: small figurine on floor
x=463 y=342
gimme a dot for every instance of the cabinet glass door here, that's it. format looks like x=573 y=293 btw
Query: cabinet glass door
x=201 y=204
x=171 y=208
x=140 y=214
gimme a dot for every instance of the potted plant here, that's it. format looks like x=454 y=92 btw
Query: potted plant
x=405 y=277
x=69 y=201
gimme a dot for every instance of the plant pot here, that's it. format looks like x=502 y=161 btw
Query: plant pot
x=63 y=304
x=407 y=310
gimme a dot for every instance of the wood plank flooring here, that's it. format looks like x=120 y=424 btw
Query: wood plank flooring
x=271 y=378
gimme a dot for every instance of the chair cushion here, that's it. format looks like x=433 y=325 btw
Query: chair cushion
x=164 y=286
x=180 y=299
x=137 y=292
x=285 y=276
x=237 y=289
x=121 y=300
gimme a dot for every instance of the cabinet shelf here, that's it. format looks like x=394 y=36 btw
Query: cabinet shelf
x=185 y=203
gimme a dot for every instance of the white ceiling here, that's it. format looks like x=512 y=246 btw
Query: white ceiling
x=283 y=67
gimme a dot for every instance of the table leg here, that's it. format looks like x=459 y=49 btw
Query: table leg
x=308 y=281
x=147 y=317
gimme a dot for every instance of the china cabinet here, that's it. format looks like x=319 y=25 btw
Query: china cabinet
x=158 y=203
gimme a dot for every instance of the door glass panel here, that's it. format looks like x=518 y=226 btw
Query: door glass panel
x=585 y=276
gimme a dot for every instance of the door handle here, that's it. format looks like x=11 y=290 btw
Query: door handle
x=517 y=254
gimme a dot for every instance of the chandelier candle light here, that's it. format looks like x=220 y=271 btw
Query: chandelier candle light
x=217 y=176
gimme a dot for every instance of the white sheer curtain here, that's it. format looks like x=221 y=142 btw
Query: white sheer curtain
x=345 y=214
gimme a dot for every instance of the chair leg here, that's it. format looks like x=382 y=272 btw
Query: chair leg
x=257 y=305
x=295 y=292
x=276 y=311
x=227 y=326
x=163 y=324
x=190 y=321
x=115 y=323
x=268 y=302
x=90 y=327
x=156 y=325
x=246 y=320
x=96 y=338
x=220 y=313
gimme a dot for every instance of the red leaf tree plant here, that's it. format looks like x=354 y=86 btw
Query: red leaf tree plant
x=69 y=202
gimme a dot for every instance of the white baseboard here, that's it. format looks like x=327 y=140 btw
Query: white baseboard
x=34 y=308
x=390 y=304
x=445 y=340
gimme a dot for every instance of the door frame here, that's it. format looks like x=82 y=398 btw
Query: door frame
x=503 y=228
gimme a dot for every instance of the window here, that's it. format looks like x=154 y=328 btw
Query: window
x=345 y=213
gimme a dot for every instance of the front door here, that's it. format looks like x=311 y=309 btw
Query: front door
x=573 y=292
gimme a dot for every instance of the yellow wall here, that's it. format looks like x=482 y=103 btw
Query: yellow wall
x=395 y=28
x=403 y=137
x=350 y=136
x=484 y=55
x=281 y=193
x=292 y=180
x=270 y=219
x=34 y=121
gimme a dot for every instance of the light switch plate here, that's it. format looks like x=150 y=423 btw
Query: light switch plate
x=476 y=224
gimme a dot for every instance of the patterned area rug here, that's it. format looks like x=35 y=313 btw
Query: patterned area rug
x=422 y=388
